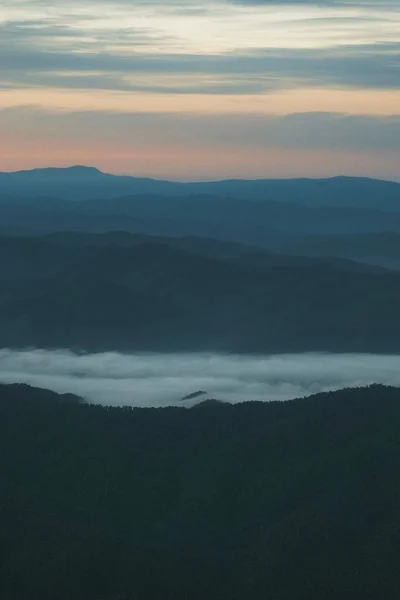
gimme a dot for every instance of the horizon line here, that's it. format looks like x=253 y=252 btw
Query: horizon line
x=183 y=182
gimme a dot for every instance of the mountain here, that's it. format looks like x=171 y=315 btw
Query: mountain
x=236 y=213
x=211 y=247
x=154 y=296
x=281 y=500
x=21 y=219
x=49 y=174
x=382 y=249
x=207 y=246
x=19 y=394
x=87 y=182
x=77 y=182
x=269 y=225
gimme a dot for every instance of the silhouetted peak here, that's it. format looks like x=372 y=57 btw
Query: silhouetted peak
x=21 y=392
x=82 y=169
x=210 y=403
x=55 y=173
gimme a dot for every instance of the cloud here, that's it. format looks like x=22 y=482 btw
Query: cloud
x=298 y=131
x=161 y=380
x=188 y=53
x=255 y=71
x=379 y=5
x=218 y=50
x=50 y=33
x=197 y=146
x=202 y=4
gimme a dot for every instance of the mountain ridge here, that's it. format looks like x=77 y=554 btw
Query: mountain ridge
x=81 y=182
x=157 y=297
x=89 y=169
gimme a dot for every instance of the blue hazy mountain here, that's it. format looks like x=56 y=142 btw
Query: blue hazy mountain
x=382 y=248
x=251 y=222
x=80 y=182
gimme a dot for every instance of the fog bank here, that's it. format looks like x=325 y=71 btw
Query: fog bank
x=164 y=379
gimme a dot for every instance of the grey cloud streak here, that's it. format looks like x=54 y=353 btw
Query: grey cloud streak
x=327 y=4
x=34 y=32
x=354 y=67
x=57 y=52
x=161 y=380
x=308 y=131
x=199 y=4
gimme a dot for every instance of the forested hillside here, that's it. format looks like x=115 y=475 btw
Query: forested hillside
x=255 y=500
x=164 y=296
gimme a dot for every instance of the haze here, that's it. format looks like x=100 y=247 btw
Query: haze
x=165 y=379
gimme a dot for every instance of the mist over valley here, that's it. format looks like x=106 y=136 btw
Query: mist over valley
x=156 y=380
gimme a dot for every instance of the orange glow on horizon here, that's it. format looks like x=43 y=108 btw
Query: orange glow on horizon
x=348 y=101
x=176 y=163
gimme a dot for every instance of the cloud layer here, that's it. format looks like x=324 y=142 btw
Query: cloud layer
x=162 y=380
x=247 y=46
x=194 y=56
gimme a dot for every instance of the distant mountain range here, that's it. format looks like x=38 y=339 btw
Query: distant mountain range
x=243 y=266
x=363 y=234
x=247 y=221
x=81 y=182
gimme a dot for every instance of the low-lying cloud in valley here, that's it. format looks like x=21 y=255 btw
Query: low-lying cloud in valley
x=164 y=379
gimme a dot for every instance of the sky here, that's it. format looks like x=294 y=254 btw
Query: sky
x=202 y=89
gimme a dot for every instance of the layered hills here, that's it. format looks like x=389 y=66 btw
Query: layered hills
x=80 y=182
x=82 y=292
x=351 y=218
x=96 y=261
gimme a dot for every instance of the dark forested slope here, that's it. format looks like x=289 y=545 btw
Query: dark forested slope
x=154 y=296
x=276 y=500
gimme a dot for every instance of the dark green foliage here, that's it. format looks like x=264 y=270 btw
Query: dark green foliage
x=22 y=393
x=261 y=501
x=155 y=296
